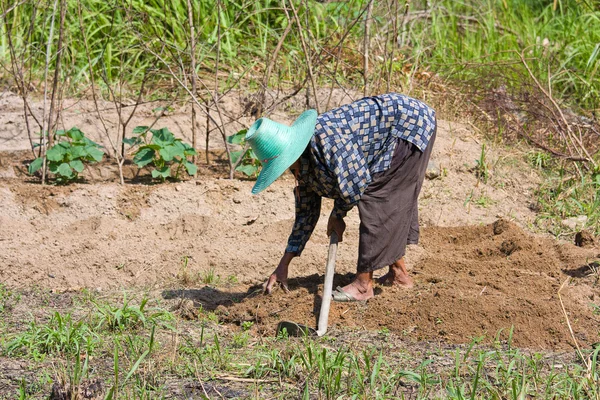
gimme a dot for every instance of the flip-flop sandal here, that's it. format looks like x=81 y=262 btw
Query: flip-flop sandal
x=342 y=297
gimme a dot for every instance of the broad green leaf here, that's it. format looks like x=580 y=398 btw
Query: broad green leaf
x=190 y=167
x=77 y=152
x=61 y=132
x=162 y=137
x=77 y=165
x=95 y=153
x=91 y=142
x=139 y=130
x=237 y=138
x=65 y=170
x=235 y=155
x=75 y=134
x=35 y=165
x=249 y=170
x=131 y=141
x=164 y=172
x=167 y=153
x=53 y=166
x=144 y=156
x=56 y=153
x=190 y=152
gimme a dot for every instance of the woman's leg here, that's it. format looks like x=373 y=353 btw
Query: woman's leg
x=397 y=275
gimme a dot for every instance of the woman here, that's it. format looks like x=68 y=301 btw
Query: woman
x=373 y=154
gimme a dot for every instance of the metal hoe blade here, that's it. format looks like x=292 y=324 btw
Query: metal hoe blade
x=294 y=329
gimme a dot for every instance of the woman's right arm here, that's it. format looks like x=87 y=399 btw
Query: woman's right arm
x=308 y=210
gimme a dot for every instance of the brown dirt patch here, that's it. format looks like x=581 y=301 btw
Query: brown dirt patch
x=471 y=281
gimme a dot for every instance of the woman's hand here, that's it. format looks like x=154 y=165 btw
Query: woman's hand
x=280 y=274
x=338 y=225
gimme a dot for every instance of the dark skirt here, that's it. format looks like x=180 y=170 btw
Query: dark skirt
x=388 y=209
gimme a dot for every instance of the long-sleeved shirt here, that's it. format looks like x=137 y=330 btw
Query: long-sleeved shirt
x=350 y=144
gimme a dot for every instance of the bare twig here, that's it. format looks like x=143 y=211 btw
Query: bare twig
x=306 y=54
x=45 y=126
x=576 y=142
x=366 y=44
x=562 y=305
x=63 y=12
x=193 y=71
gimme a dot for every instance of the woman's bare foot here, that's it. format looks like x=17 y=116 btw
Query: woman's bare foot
x=397 y=276
x=359 y=290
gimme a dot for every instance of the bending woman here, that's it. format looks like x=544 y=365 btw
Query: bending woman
x=372 y=154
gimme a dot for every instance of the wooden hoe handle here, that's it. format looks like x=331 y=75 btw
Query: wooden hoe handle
x=328 y=286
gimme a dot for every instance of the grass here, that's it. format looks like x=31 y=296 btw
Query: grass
x=567 y=194
x=447 y=38
x=141 y=361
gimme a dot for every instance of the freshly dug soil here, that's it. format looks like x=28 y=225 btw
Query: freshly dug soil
x=472 y=281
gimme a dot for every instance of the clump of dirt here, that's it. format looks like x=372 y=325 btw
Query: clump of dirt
x=472 y=281
x=585 y=239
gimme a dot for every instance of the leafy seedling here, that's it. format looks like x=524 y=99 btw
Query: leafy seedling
x=67 y=158
x=163 y=151
x=249 y=164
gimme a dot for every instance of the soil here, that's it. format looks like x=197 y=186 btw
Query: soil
x=473 y=281
x=476 y=271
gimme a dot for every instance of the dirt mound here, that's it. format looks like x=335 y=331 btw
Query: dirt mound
x=471 y=281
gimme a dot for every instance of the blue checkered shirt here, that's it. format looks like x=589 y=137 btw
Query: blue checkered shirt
x=350 y=144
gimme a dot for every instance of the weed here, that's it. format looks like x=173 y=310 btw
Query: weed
x=246 y=325
x=210 y=277
x=564 y=195
x=61 y=335
x=240 y=339
x=482 y=169
x=126 y=316
x=67 y=158
x=118 y=385
x=484 y=201
x=539 y=159
x=184 y=275
x=162 y=151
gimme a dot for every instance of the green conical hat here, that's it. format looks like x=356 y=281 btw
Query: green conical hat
x=278 y=146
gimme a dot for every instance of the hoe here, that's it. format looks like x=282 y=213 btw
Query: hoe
x=294 y=329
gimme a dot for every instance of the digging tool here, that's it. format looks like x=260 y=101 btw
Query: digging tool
x=294 y=329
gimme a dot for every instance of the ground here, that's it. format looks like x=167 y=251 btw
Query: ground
x=483 y=265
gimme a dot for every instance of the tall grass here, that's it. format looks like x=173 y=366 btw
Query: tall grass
x=445 y=36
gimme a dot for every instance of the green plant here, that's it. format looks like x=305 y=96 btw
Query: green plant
x=482 y=170
x=67 y=157
x=539 y=159
x=210 y=277
x=240 y=339
x=565 y=194
x=162 y=151
x=249 y=165
x=246 y=325
x=113 y=392
x=61 y=335
x=126 y=316
x=484 y=200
